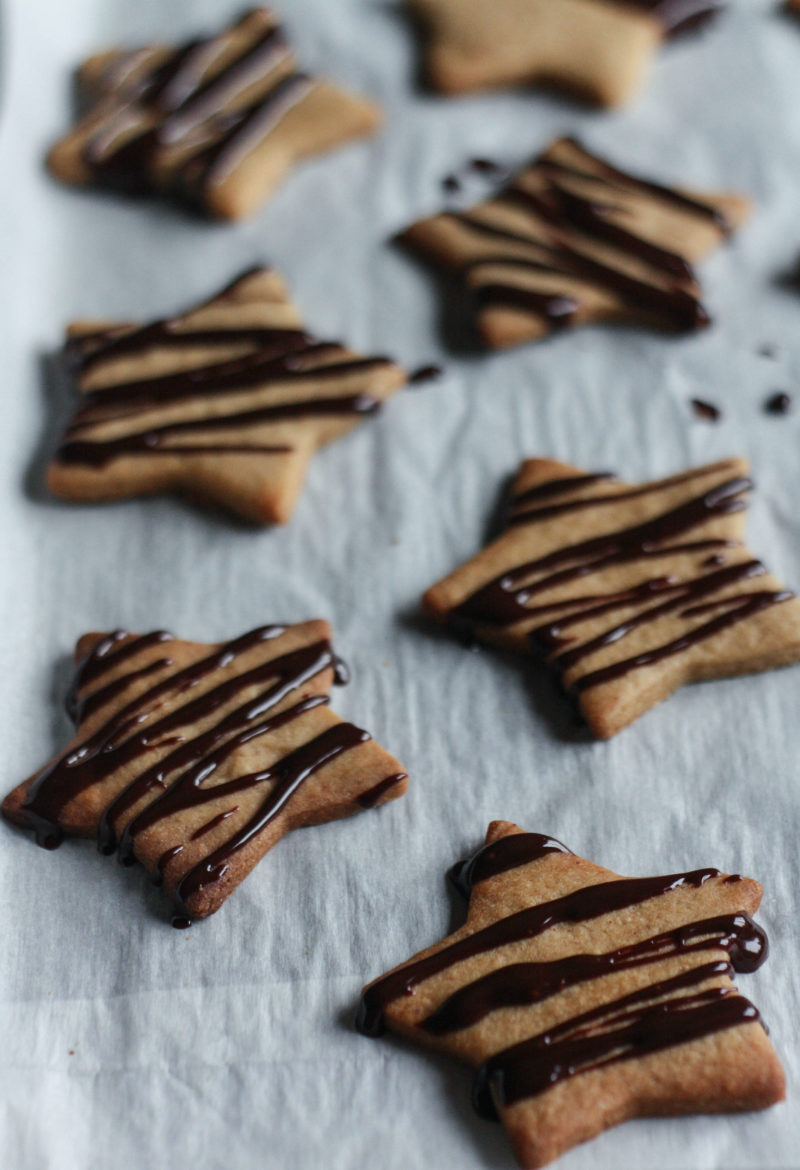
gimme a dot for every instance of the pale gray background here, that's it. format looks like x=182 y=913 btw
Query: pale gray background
x=230 y=1045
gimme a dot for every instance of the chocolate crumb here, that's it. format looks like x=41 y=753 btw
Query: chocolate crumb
x=706 y=410
x=778 y=403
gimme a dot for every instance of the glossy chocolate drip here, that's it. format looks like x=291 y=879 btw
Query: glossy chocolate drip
x=87 y=350
x=741 y=608
x=567 y=486
x=558 y=487
x=282 y=357
x=506 y=600
x=566 y=225
x=679 y=16
x=558 y=310
x=624 y=179
x=521 y=984
x=192 y=104
x=105 y=655
x=375 y=794
x=502 y=601
x=139 y=727
x=625 y=1029
x=499 y=857
x=581 y=905
x=288 y=775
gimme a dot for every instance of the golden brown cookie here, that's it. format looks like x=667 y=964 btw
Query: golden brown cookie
x=585 y=999
x=226 y=403
x=599 y=50
x=216 y=123
x=572 y=240
x=196 y=759
x=628 y=591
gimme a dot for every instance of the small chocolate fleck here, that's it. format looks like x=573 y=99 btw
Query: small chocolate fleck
x=451 y=184
x=706 y=410
x=424 y=374
x=486 y=166
x=778 y=403
x=768 y=351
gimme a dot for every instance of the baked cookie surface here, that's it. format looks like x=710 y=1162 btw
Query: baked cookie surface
x=585 y=999
x=196 y=759
x=226 y=403
x=571 y=240
x=599 y=50
x=216 y=123
x=627 y=591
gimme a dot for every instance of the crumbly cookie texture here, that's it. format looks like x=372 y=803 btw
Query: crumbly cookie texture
x=196 y=759
x=572 y=240
x=216 y=123
x=226 y=403
x=585 y=999
x=628 y=591
x=599 y=51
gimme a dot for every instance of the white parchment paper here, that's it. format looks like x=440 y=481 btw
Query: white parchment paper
x=128 y=1044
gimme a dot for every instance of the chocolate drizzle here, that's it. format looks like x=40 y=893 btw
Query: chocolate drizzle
x=630 y=1027
x=525 y=983
x=572 y=220
x=679 y=16
x=672 y=1009
x=499 y=857
x=137 y=417
x=511 y=598
x=169 y=766
x=181 y=124
x=580 y=906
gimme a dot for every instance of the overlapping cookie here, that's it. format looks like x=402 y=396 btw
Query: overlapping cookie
x=215 y=123
x=227 y=403
x=571 y=240
x=196 y=759
x=628 y=591
x=585 y=999
x=599 y=50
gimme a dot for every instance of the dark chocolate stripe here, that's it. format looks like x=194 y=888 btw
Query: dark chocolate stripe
x=506 y=600
x=502 y=601
x=150 y=442
x=563 y=222
x=189 y=102
x=680 y=16
x=289 y=774
x=626 y=1029
x=500 y=856
x=184 y=777
x=521 y=984
x=580 y=906
x=276 y=358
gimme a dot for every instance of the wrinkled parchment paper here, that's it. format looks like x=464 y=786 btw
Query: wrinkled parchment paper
x=128 y=1044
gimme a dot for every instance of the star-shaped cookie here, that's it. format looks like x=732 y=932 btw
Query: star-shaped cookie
x=226 y=403
x=628 y=591
x=585 y=999
x=571 y=240
x=196 y=759
x=599 y=50
x=215 y=123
